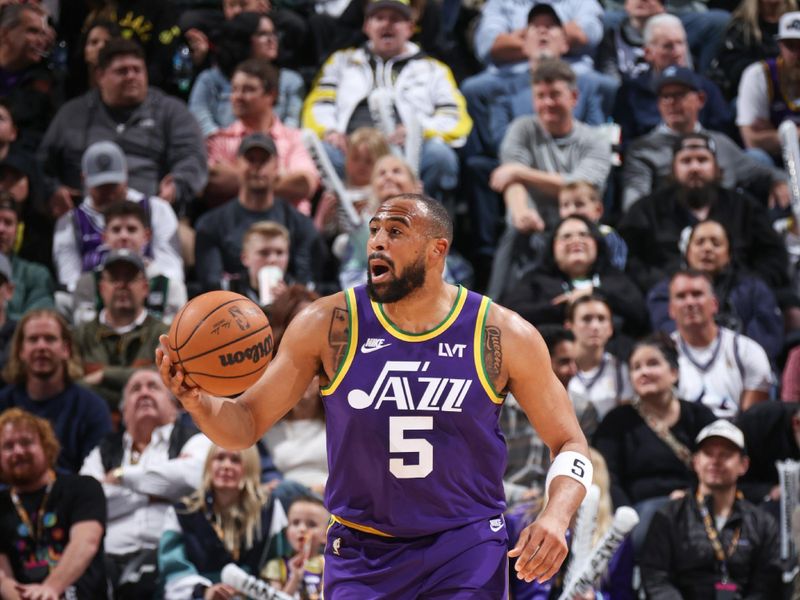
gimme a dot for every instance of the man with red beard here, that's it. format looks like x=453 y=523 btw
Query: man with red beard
x=41 y=371
x=51 y=526
x=123 y=335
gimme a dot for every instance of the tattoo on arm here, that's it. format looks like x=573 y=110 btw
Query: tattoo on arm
x=338 y=335
x=492 y=352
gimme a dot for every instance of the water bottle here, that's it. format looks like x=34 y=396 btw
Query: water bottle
x=182 y=68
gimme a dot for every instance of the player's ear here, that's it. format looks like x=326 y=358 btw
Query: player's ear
x=440 y=246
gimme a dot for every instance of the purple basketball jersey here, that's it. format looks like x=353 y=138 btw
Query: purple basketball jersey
x=414 y=444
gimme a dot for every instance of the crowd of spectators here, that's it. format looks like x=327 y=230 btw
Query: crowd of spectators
x=615 y=174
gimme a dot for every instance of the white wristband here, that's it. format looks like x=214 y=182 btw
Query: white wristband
x=571 y=464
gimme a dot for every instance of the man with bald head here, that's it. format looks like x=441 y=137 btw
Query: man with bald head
x=414 y=372
x=157 y=460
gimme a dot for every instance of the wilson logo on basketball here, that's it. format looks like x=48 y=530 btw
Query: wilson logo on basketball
x=254 y=353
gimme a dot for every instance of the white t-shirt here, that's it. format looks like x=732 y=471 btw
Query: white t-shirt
x=718 y=374
x=753 y=100
x=604 y=386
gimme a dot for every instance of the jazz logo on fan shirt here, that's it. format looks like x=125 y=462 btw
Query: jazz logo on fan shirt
x=442 y=394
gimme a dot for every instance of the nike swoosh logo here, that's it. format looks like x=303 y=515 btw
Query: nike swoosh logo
x=366 y=350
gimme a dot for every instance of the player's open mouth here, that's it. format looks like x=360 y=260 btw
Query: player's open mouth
x=379 y=271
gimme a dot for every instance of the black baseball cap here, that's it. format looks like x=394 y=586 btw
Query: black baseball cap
x=258 y=140
x=544 y=8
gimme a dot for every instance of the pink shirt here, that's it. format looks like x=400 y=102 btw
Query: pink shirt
x=292 y=154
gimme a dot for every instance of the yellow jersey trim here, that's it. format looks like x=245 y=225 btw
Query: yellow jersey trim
x=352 y=342
x=478 y=349
x=407 y=336
x=362 y=528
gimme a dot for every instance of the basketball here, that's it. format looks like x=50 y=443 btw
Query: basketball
x=222 y=341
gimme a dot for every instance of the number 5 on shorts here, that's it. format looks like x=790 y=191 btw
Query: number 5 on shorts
x=398 y=442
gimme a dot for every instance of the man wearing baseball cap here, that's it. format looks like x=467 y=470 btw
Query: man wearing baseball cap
x=712 y=543
x=653 y=225
x=648 y=159
x=768 y=91
x=78 y=240
x=390 y=75
x=122 y=336
x=218 y=246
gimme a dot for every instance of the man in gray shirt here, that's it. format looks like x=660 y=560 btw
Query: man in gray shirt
x=648 y=161
x=539 y=155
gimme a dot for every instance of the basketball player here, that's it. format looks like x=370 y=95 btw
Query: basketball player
x=413 y=373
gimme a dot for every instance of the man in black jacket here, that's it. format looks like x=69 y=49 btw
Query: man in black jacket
x=712 y=543
x=654 y=226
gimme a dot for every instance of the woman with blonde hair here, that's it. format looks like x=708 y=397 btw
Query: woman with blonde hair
x=615 y=584
x=229 y=519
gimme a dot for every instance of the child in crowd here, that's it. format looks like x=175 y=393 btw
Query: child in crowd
x=583 y=198
x=364 y=147
x=127 y=226
x=301 y=575
x=265 y=247
x=601 y=379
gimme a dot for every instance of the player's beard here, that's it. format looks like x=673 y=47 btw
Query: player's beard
x=412 y=278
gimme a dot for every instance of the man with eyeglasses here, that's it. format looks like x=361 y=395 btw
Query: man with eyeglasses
x=648 y=160
x=635 y=108
x=122 y=336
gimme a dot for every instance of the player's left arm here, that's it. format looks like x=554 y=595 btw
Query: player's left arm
x=520 y=363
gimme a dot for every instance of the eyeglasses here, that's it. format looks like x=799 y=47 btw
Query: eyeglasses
x=270 y=35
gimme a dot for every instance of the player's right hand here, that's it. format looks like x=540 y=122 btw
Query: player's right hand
x=174 y=378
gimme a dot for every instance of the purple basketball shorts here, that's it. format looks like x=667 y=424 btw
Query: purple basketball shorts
x=457 y=564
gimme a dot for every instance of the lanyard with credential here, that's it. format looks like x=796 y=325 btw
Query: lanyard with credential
x=33 y=532
x=713 y=537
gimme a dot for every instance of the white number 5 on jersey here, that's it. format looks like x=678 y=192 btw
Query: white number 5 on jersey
x=398 y=442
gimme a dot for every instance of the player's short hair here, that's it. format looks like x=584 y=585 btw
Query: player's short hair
x=661 y=342
x=267 y=229
x=261 y=69
x=551 y=70
x=440 y=225
x=553 y=335
x=371 y=139
x=582 y=186
x=593 y=297
x=126 y=208
x=42 y=427
x=116 y=47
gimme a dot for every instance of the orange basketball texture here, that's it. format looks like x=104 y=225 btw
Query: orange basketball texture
x=222 y=341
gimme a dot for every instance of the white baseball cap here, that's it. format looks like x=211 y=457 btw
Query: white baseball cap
x=789 y=26
x=723 y=429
